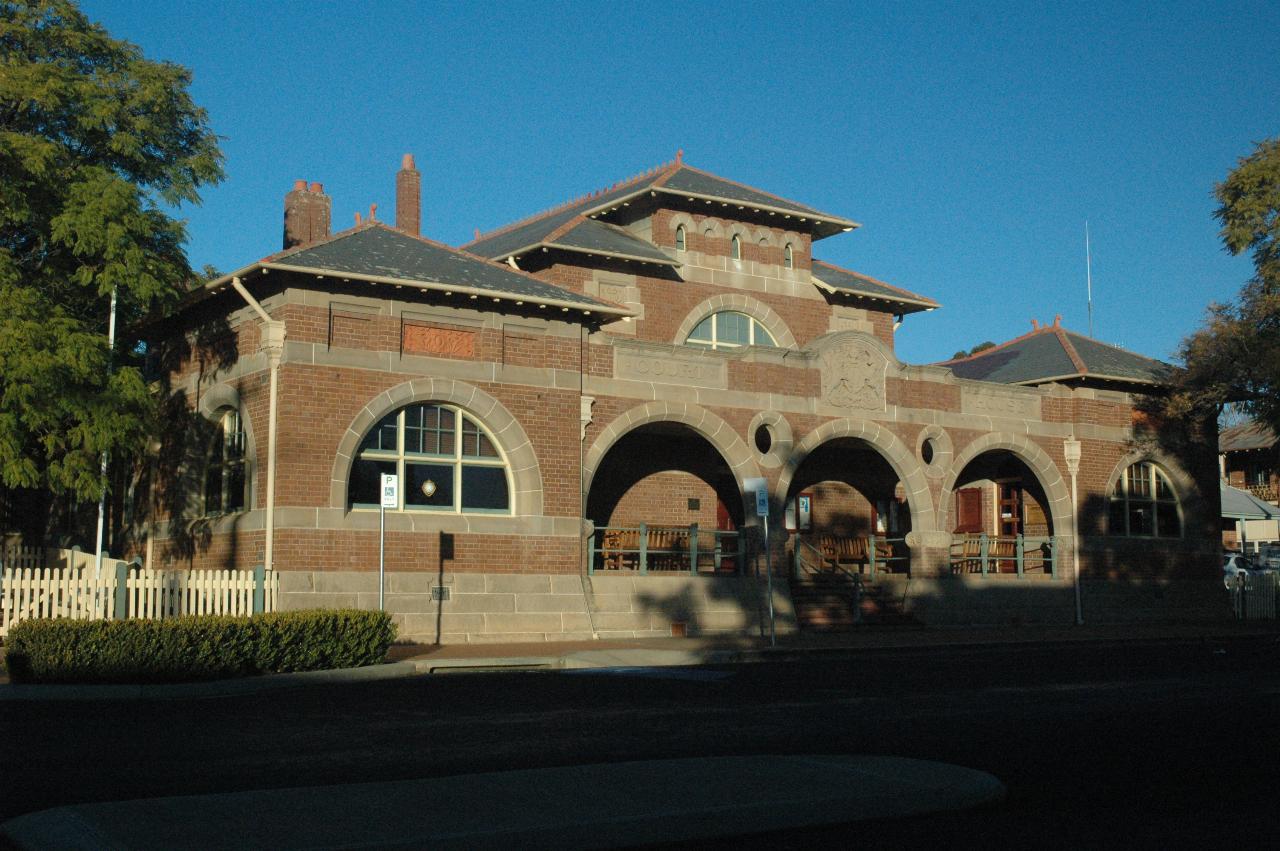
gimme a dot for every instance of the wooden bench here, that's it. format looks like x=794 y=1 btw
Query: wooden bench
x=1002 y=555
x=666 y=548
x=838 y=551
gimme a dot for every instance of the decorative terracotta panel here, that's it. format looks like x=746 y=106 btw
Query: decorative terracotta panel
x=446 y=342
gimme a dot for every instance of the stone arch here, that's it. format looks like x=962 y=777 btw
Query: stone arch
x=714 y=228
x=742 y=303
x=1029 y=453
x=890 y=447
x=526 y=478
x=690 y=228
x=732 y=448
x=1191 y=503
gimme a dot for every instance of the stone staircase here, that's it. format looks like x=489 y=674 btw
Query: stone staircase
x=828 y=602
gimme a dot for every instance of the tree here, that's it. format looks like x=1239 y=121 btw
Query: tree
x=97 y=143
x=1235 y=357
x=981 y=347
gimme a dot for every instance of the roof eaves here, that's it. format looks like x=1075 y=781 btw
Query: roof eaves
x=595 y=306
x=821 y=217
x=848 y=224
x=597 y=252
x=831 y=288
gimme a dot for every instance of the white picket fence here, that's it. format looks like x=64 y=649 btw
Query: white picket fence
x=69 y=591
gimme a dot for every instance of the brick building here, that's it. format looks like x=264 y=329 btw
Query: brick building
x=574 y=406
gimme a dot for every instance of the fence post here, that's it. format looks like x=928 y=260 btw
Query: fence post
x=259 y=588
x=591 y=551
x=1019 y=552
x=644 y=547
x=871 y=555
x=982 y=544
x=1053 y=557
x=693 y=547
x=122 y=591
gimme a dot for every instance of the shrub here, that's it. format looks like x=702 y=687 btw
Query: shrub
x=196 y=647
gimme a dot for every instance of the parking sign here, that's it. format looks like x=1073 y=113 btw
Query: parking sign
x=390 y=490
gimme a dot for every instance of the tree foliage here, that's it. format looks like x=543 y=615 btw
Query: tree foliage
x=96 y=143
x=981 y=347
x=1235 y=357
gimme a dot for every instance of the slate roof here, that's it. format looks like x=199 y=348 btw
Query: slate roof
x=593 y=237
x=834 y=278
x=378 y=253
x=1245 y=436
x=1052 y=353
x=674 y=178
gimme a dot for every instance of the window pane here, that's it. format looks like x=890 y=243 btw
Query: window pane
x=735 y=248
x=1167 y=519
x=1141 y=519
x=763 y=337
x=733 y=329
x=213 y=491
x=235 y=486
x=475 y=444
x=366 y=481
x=417 y=475
x=1115 y=520
x=1163 y=489
x=1140 y=480
x=382 y=436
x=484 y=487
x=702 y=331
x=680 y=238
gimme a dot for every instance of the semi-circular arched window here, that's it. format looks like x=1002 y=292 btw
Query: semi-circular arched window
x=788 y=258
x=224 y=478
x=445 y=461
x=735 y=247
x=681 y=239
x=729 y=329
x=1143 y=504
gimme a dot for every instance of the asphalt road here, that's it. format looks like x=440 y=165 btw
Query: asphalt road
x=1116 y=744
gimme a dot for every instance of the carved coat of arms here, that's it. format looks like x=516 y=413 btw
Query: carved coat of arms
x=853 y=376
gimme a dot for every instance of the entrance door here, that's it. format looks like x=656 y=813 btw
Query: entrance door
x=969 y=511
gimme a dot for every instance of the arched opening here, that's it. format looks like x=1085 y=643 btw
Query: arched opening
x=849 y=510
x=664 y=499
x=1001 y=519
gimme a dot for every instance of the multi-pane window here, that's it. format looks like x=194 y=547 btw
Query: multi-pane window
x=224 y=478
x=681 y=240
x=445 y=460
x=729 y=329
x=1143 y=504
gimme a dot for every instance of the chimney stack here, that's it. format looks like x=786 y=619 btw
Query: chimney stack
x=306 y=214
x=408 y=198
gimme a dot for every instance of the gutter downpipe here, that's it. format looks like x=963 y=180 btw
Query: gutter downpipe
x=102 y=500
x=1071 y=453
x=273 y=345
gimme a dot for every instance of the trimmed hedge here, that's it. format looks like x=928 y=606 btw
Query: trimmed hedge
x=197 y=647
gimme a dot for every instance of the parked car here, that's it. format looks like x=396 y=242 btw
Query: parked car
x=1268 y=556
x=1236 y=567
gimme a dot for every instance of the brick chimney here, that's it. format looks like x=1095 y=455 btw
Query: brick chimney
x=306 y=214
x=408 y=197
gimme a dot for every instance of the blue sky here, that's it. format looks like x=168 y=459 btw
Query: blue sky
x=972 y=141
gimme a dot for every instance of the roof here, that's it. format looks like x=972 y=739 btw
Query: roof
x=1250 y=435
x=834 y=279
x=1052 y=353
x=378 y=253
x=1242 y=505
x=674 y=178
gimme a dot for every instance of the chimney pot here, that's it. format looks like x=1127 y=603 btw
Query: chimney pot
x=299 y=186
x=408 y=197
x=317 y=188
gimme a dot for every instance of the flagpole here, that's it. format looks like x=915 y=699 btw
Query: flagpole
x=1088 y=271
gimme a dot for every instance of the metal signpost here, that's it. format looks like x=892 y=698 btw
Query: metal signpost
x=390 y=499
x=761 y=489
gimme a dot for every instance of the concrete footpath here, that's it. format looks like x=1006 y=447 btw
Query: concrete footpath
x=589 y=806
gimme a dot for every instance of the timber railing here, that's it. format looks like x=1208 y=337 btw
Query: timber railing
x=665 y=549
x=1018 y=555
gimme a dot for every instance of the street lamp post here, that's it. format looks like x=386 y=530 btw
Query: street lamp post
x=1071 y=453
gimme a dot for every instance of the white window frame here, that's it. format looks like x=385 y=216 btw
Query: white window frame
x=716 y=343
x=455 y=459
x=1121 y=496
x=231 y=435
